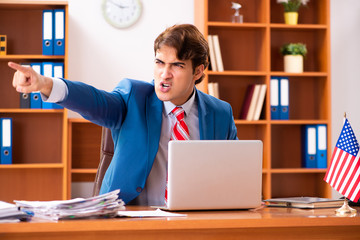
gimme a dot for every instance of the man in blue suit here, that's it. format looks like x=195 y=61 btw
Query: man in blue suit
x=139 y=113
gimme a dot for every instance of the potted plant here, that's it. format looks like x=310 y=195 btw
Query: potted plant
x=291 y=8
x=294 y=54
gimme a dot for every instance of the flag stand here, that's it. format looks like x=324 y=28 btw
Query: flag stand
x=346 y=210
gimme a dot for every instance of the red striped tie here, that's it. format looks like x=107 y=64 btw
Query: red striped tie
x=180 y=131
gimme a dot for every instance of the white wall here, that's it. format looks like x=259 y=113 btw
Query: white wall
x=102 y=55
x=345 y=66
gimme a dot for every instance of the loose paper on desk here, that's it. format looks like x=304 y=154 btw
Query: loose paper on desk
x=149 y=213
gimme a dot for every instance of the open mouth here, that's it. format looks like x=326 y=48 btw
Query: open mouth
x=165 y=85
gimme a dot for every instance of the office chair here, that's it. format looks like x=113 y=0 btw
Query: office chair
x=106 y=155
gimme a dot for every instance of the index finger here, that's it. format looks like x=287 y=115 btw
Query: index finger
x=18 y=67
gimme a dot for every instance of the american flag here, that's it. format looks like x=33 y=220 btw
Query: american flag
x=344 y=172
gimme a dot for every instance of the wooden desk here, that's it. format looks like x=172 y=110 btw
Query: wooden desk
x=266 y=223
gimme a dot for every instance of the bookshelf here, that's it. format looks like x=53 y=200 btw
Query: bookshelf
x=84 y=141
x=250 y=53
x=39 y=146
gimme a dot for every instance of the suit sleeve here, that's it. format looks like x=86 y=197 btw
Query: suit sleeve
x=104 y=108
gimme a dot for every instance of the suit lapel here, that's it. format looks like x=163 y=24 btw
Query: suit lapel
x=206 y=118
x=154 y=119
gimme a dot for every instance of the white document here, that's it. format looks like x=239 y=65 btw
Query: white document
x=149 y=213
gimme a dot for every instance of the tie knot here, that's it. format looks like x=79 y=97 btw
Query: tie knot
x=179 y=113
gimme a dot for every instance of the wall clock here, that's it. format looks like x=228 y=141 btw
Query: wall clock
x=121 y=13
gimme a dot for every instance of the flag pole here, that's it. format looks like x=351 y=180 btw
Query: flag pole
x=345 y=210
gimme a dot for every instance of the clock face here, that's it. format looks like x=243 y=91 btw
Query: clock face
x=121 y=13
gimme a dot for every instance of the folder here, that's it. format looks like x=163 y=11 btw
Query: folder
x=3 y=46
x=24 y=100
x=52 y=69
x=59 y=30
x=6 y=140
x=37 y=67
x=309 y=146
x=321 y=151
x=35 y=100
x=284 y=98
x=274 y=98
x=48 y=28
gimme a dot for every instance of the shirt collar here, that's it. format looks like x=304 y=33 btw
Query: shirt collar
x=169 y=106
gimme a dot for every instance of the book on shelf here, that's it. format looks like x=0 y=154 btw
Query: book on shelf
x=253 y=102
x=213 y=89
x=214 y=46
x=304 y=202
x=212 y=53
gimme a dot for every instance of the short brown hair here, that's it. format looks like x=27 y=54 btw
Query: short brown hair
x=189 y=43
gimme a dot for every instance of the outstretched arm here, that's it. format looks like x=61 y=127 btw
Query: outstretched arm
x=26 y=80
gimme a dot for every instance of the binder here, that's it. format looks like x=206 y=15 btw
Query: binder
x=284 y=98
x=6 y=140
x=321 y=151
x=309 y=146
x=3 y=46
x=48 y=29
x=274 y=98
x=35 y=100
x=37 y=67
x=24 y=100
x=52 y=69
x=58 y=69
x=59 y=32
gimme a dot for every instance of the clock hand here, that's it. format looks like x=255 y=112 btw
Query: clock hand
x=118 y=5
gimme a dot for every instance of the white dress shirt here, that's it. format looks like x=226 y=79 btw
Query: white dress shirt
x=154 y=192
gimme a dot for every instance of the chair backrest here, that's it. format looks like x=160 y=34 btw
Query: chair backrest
x=106 y=155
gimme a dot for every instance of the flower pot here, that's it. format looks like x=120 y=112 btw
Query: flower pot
x=293 y=63
x=291 y=18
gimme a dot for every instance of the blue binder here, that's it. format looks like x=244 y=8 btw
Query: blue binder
x=59 y=32
x=6 y=140
x=35 y=100
x=284 y=98
x=309 y=146
x=274 y=98
x=37 y=67
x=321 y=151
x=48 y=32
x=53 y=69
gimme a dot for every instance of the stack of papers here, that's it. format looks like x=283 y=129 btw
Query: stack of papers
x=106 y=205
x=11 y=213
x=304 y=202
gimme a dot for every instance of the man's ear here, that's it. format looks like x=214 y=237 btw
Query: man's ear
x=199 y=71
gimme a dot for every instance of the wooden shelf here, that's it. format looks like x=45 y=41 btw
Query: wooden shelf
x=39 y=150
x=251 y=55
x=29 y=56
x=32 y=165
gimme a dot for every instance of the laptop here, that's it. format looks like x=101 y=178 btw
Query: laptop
x=214 y=174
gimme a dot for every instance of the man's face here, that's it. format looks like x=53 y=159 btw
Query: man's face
x=174 y=78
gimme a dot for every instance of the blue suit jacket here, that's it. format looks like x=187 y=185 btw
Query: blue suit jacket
x=134 y=114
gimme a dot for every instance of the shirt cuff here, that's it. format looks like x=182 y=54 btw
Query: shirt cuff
x=58 y=93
